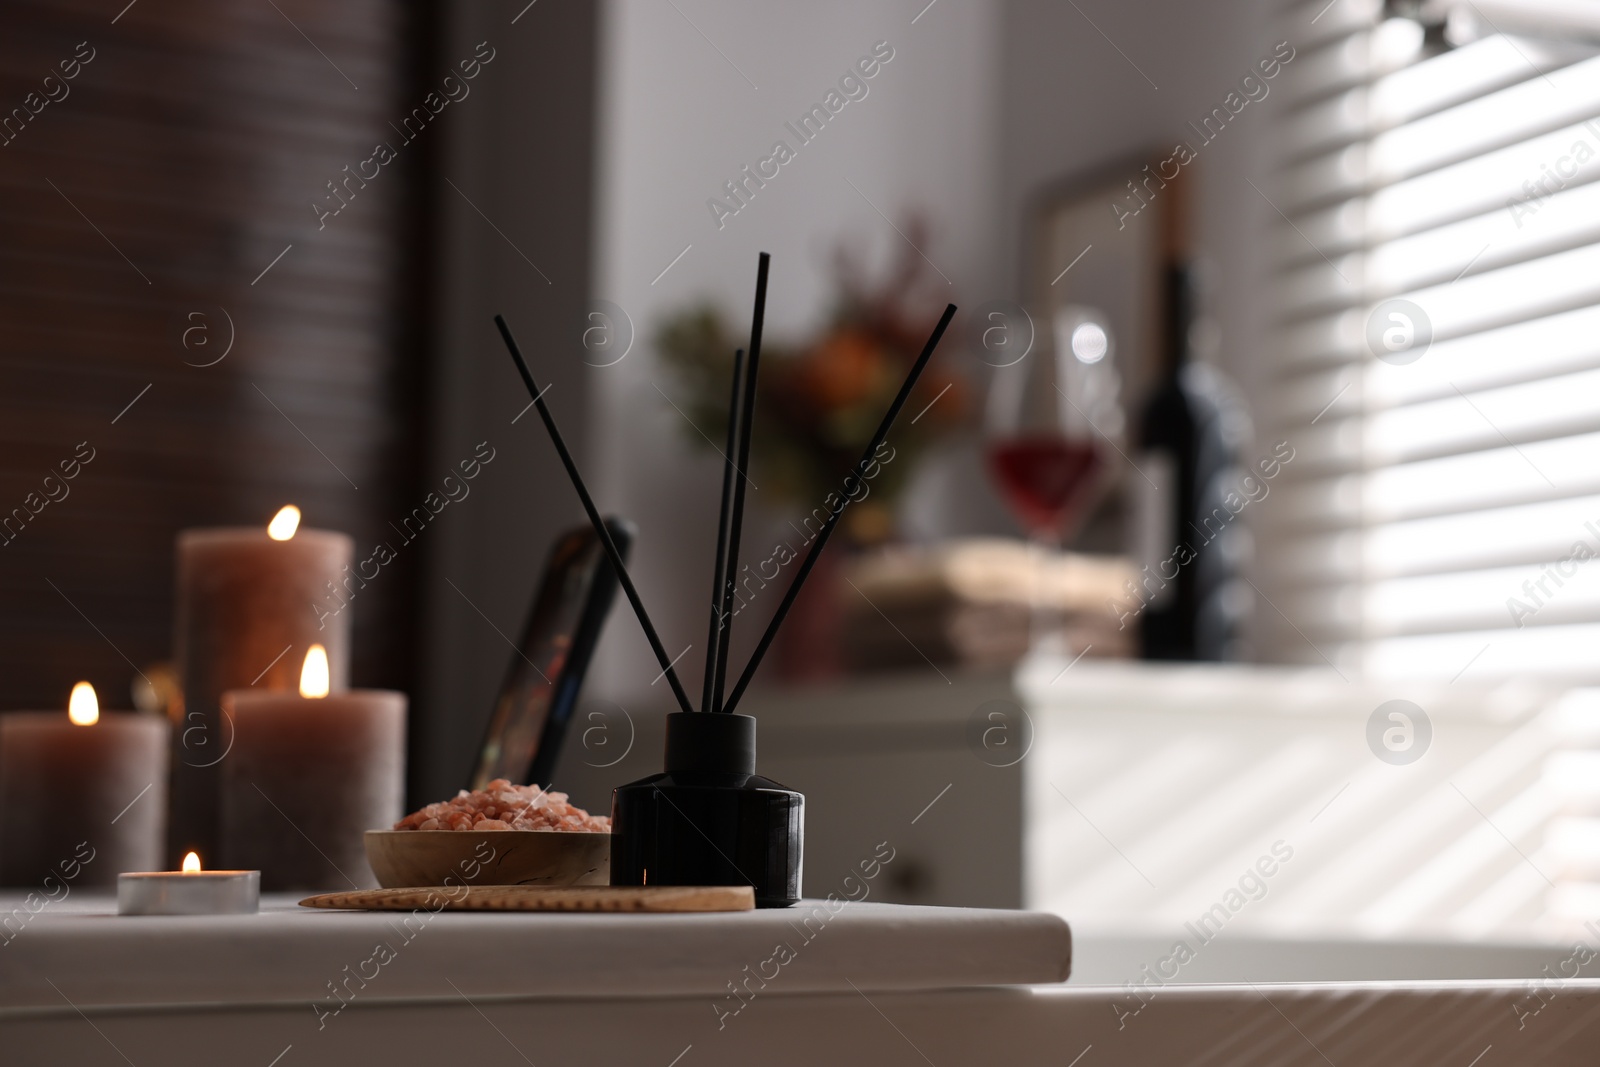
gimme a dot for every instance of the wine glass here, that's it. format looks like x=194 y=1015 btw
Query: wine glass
x=1049 y=421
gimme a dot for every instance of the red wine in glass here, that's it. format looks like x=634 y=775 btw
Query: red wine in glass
x=1046 y=478
x=1046 y=421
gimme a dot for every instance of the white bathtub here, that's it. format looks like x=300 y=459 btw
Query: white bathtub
x=1112 y=958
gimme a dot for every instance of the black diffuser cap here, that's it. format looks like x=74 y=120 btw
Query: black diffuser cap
x=710 y=743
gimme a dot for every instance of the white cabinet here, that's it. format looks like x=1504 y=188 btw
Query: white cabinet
x=1153 y=794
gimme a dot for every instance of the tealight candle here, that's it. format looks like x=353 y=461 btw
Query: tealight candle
x=81 y=786
x=191 y=891
x=250 y=601
x=308 y=776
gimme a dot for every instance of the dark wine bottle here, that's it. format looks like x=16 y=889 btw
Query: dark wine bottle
x=1164 y=496
x=1189 y=542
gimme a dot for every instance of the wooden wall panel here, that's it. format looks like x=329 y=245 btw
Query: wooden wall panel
x=195 y=142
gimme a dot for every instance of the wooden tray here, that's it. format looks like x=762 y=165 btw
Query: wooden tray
x=664 y=898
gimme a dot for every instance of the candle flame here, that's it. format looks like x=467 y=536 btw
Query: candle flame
x=191 y=863
x=284 y=523
x=314 y=675
x=82 y=707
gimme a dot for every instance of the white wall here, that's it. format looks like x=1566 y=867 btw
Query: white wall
x=1079 y=96
x=677 y=121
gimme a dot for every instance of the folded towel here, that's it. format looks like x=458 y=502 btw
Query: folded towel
x=973 y=603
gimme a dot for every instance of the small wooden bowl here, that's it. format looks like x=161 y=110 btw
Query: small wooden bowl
x=404 y=859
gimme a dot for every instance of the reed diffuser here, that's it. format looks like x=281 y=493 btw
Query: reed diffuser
x=708 y=818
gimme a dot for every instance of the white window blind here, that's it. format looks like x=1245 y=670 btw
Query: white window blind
x=1440 y=512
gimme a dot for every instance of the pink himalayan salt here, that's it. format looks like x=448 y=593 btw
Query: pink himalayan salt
x=503 y=806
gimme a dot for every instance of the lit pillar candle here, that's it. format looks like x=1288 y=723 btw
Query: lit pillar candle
x=250 y=601
x=307 y=777
x=82 y=795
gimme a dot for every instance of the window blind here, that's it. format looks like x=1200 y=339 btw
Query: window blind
x=1442 y=518
x=150 y=308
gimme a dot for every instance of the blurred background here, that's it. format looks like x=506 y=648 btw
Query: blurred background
x=1255 y=480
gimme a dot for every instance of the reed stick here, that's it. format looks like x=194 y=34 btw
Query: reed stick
x=747 y=413
x=594 y=518
x=720 y=564
x=833 y=517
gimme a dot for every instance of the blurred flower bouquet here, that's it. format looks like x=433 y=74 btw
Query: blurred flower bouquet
x=820 y=400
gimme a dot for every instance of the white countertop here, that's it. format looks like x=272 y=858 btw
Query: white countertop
x=288 y=954
x=878 y=984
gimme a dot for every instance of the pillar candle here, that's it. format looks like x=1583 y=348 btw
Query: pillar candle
x=81 y=798
x=307 y=777
x=250 y=602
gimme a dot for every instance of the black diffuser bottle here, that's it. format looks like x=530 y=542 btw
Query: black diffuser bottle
x=709 y=819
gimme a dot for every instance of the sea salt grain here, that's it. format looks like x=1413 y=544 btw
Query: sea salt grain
x=503 y=806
